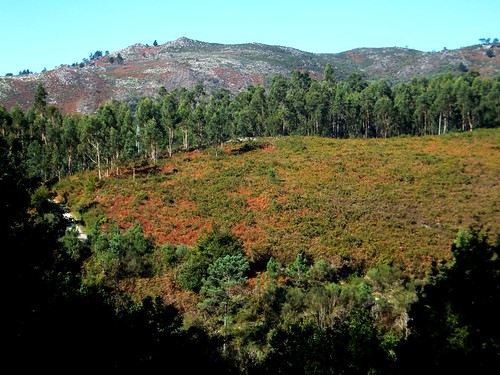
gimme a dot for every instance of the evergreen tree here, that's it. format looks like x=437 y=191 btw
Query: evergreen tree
x=169 y=118
x=221 y=287
x=40 y=99
x=454 y=324
x=328 y=75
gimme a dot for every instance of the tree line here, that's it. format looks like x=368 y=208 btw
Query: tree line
x=54 y=145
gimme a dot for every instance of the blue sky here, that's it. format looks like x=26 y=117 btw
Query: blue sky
x=38 y=34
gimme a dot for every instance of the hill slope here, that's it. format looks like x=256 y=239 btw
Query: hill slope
x=352 y=202
x=185 y=63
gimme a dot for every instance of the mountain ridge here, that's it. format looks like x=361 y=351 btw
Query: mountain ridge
x=141 y=70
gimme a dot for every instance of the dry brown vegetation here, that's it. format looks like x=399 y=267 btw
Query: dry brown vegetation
x=352 y=202
x=185 y=63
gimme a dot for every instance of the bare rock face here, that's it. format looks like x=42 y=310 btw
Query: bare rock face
x=141 y=70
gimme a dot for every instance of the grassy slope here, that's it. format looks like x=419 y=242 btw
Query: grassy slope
x=359 y=201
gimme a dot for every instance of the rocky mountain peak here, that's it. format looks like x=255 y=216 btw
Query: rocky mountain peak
x=141 y=70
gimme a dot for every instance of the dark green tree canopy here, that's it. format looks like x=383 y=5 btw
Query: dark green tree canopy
x=40 y=100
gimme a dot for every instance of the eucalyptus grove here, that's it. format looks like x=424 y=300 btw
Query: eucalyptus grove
x=120 y=134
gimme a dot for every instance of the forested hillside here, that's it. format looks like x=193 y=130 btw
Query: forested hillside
x=312 y=227
x=54 y=145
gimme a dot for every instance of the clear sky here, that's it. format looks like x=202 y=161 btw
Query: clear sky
x=38 y=34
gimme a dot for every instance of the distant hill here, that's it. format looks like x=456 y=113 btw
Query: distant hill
x=140 y=70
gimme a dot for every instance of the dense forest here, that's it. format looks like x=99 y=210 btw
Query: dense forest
x=68 y=303
x=53 y=145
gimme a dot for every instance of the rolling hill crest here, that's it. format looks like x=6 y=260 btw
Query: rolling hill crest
x=141 y=70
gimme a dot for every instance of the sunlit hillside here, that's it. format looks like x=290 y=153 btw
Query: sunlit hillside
x=353 y=202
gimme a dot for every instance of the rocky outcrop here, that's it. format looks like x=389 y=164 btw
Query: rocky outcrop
x=141 y=70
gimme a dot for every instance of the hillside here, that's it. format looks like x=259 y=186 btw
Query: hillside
x=355 y=203
x=140 y=70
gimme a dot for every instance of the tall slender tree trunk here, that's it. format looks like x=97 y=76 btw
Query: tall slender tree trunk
x=153 y=153
x=200 y=134
x=170 y=141
x=69 y=161
x=425 y=122
x=99 y=162
x=185 y=138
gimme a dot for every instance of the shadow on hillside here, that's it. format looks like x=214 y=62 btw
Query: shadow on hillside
x=247 y=147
